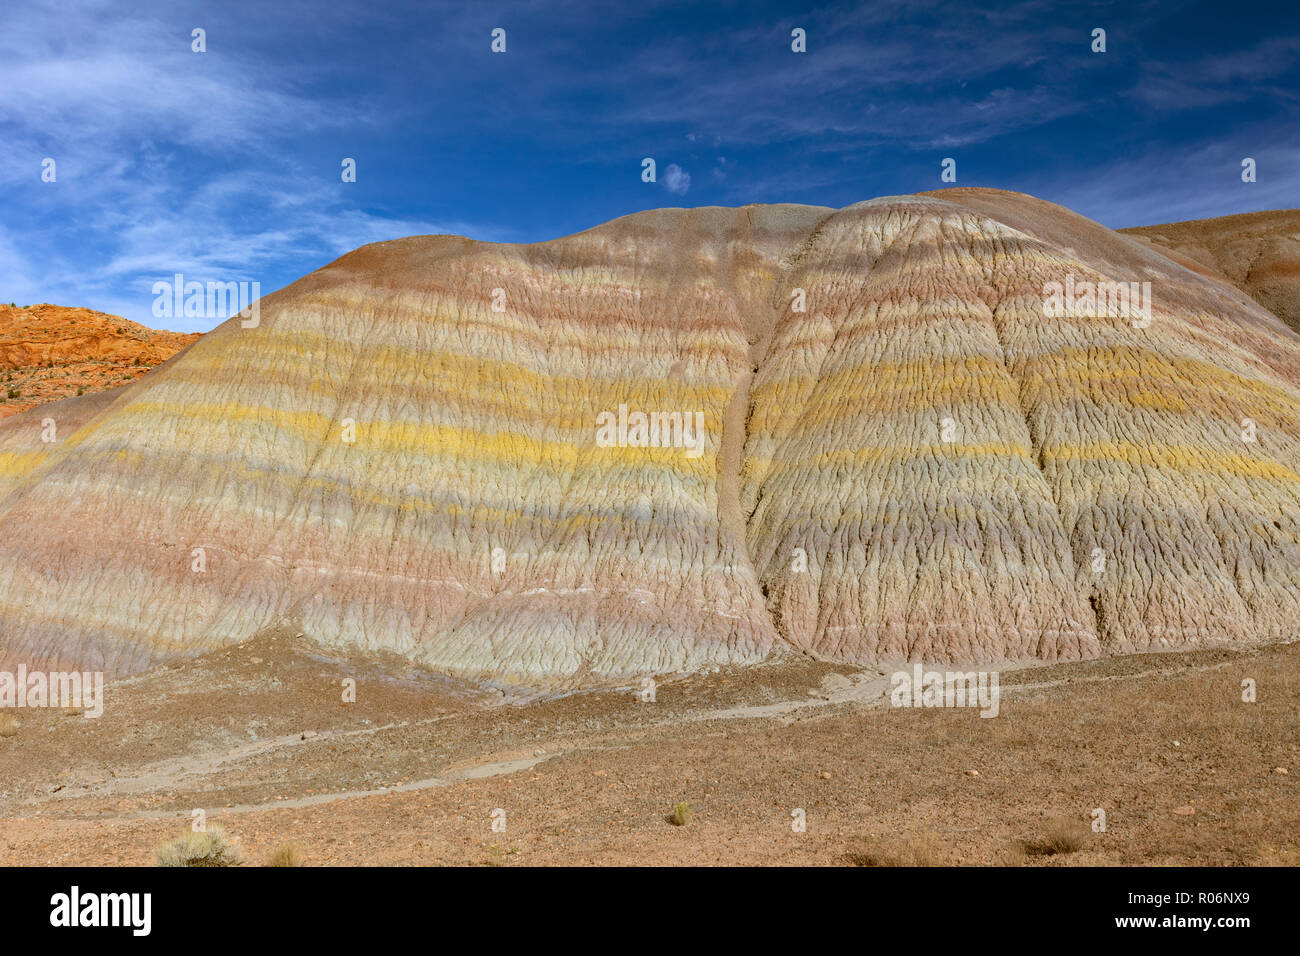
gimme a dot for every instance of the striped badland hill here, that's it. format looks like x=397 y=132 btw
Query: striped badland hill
x=902 y=456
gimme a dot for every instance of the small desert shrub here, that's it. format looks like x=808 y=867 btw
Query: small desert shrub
x=681 y=814
x=1060 y=835
x=15 y=393
x=210 y=848
x=8 y=725
x=81 y=390
x=922 y=849
x=288 y=853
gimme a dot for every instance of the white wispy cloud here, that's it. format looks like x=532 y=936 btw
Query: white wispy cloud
x=676 y=180
x=1159 y=186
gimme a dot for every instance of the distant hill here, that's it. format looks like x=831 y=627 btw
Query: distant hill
x=1258 y=252
x=48 y=352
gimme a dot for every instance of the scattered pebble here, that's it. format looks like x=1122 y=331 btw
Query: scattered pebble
x=1184 y=811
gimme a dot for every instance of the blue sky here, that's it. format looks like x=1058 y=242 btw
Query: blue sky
x=225 y=165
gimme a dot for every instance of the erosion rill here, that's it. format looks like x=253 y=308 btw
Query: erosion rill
x=905 y=456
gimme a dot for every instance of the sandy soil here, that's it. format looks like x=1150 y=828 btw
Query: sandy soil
x=259 y=737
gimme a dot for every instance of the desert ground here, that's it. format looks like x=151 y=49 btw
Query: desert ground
x=259 y=737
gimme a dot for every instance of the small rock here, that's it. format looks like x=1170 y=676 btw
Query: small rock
x=599 y=773
x=1184 y=811
x=825 y=774
x=538 y=752
x=1280 y=770
x=1177 y=744
x=972 y=773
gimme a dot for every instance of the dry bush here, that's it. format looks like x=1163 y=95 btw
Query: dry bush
x=288 y=853
x=210 y=848
x=681 y=814
x=920 y=849
x=1060 y=835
